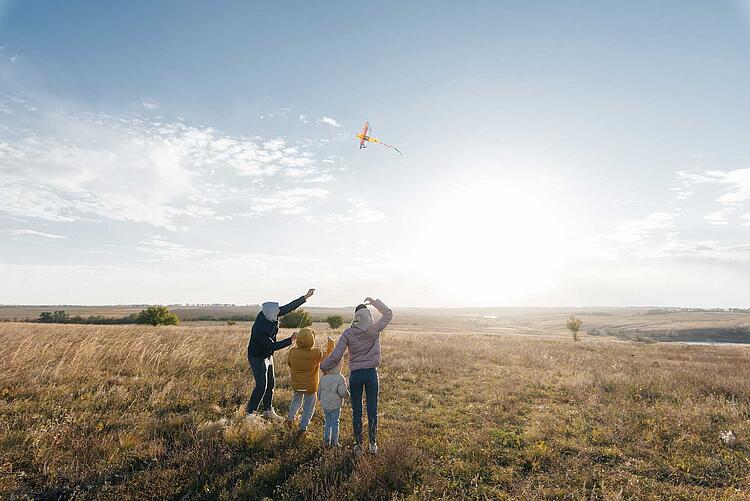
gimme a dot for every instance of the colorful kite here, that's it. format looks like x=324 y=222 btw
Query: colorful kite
x=365 y=138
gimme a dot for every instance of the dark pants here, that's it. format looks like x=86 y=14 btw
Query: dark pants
x=367 y=380
x=264 y=382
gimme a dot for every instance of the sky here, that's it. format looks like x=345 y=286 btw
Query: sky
x=554 y=152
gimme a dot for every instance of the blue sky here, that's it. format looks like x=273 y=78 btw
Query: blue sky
x=555 y=153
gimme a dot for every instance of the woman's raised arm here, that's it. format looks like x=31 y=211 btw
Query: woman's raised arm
x=387 y=314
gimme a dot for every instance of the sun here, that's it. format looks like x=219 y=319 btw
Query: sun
x=493 y=241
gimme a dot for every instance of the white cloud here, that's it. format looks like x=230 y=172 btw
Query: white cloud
x=293 y=201
x=303 y=118
x=656 y=236
x=330 y=121
x=280 y=112
x=63 y=166
x=654 y=224
x=719 y=217
x=33 y=233
x=150 y=105
x=736 y=190
x=632 y=237
x=159 y=250
x=359 y=211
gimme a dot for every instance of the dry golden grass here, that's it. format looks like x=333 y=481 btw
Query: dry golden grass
x=134 y=412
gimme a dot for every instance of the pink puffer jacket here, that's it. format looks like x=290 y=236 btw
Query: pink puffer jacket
x=364 y=345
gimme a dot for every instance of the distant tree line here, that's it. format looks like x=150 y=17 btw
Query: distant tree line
x=153 y=315
x=161 y=315
x=63 y=317
x=658 y=311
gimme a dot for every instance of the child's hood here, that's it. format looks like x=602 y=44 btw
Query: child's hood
x=306 y=338
x=335 y=371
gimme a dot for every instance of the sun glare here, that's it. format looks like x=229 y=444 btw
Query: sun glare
x=495 y=242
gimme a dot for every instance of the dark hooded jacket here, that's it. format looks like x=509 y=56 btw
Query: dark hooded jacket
x=263 y=334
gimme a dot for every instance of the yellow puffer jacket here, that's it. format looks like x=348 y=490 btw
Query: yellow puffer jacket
x=304 y=361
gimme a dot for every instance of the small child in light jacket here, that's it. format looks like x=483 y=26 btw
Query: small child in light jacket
x=331 y=393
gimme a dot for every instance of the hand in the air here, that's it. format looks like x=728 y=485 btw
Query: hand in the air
x=369 y=300
x=309 y=293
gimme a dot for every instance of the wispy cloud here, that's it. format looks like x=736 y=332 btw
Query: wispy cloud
x=735 y=185
x=303 y=118
x=654 y=224
x=65 y=166
x=33 y=233
x=157 y=249
x=330 y=121
x=719 y=217
x=150 y=105
x=656 y=236
x=359 y=211
x=736 y=181
x=279 y=113
x=12 y=58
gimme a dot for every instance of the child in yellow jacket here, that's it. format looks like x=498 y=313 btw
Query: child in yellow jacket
x=304 y=362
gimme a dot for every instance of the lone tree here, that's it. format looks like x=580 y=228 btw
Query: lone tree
x=296 y=319
x=157 y=315
x=335 y=321
x=574 y=325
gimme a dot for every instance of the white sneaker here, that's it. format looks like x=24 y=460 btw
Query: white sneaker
x=373 y=448
x=357 y=450
x=271 y=415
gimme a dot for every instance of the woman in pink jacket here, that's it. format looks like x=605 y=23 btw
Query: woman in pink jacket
x=362 y=340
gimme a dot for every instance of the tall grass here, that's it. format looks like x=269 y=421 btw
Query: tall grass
x=136 y=411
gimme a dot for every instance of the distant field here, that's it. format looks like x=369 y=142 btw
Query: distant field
x=133 y=412
x=635 y=324
x=32 y=312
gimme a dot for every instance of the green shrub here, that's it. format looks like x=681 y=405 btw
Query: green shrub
x=296 y=319
x=335 y=321
x=157 y=315
x=574 y=325
x=58 y=317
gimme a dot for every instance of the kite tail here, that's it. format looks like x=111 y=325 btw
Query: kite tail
x=392 y=147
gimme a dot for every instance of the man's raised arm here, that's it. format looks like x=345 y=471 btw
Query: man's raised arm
x=288 y=308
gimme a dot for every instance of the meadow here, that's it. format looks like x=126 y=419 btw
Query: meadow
x=468 y=410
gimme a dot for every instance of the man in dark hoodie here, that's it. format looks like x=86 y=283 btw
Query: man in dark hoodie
x=260 y=353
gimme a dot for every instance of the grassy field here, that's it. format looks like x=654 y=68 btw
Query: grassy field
x=467 y=411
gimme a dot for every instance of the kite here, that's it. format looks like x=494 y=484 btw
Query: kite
x=365 y=138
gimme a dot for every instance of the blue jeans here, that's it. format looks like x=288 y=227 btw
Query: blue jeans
x=331 y=426
x=264 y=383
x=367 y=380
x=307 y=401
